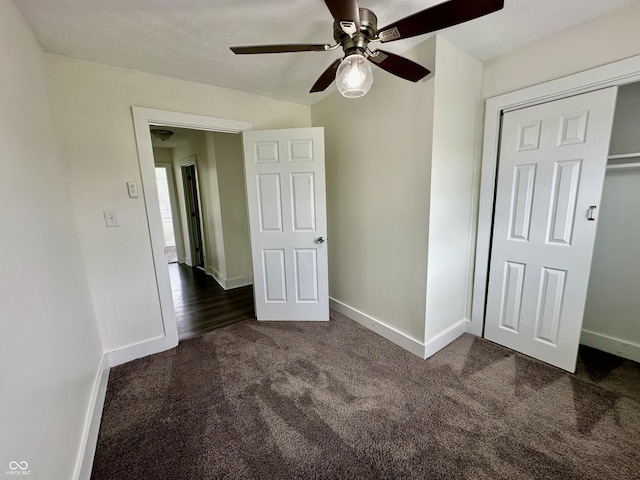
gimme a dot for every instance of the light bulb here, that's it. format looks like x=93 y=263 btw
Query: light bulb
x=354 y=76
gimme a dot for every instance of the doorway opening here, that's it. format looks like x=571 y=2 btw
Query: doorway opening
x=612 y=310
x=194 y=219
x=620 y=74
x=553 y=283
x=205 y=170
x=287 y=166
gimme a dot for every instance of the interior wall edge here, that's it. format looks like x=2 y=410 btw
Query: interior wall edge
x=615 y=346
x=229 y=283
x=395 y=336
x=444 y=338
x=89 y=440
x=142 y=349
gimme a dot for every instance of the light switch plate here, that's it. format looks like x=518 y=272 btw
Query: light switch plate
x=133 y=189
x=111 y=218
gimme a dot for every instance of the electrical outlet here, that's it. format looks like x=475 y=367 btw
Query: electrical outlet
x=111 y=218
x=133 y=189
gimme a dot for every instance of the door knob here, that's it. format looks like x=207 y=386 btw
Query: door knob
x=321 y=239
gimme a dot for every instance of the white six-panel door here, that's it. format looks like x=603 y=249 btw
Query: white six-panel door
x=285 y=177
x=550 y=176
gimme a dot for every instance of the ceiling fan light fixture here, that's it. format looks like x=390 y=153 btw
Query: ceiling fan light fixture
x=354 y=28
x=354 y=76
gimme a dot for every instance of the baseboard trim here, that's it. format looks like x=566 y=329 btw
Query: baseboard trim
x=606 y=343
x=229 y=283
x=444 y=338
x=238 y=282
x=91 y=428
x=401 y=339
x=212 y=272
x=142 y=349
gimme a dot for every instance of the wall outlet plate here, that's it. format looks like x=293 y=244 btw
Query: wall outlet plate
x=132 y=188
x=111 y=218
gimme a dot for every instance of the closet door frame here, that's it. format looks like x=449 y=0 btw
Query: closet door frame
x=614 y=74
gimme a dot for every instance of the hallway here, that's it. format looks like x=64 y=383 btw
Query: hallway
x=201 y=304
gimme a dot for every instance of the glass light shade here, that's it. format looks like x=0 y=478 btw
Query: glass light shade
x=354 y=76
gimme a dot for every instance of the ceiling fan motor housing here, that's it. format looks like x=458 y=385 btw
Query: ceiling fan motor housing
x=358 y=43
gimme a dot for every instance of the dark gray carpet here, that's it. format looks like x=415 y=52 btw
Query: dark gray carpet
x=335 y=401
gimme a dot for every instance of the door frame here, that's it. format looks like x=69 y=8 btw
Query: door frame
x=613 y=74
x=143 y=118
x=192 y=160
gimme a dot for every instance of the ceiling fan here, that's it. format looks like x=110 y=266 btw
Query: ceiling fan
x=354 y=29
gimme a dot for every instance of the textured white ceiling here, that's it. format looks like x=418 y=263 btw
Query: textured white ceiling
x=190 y=39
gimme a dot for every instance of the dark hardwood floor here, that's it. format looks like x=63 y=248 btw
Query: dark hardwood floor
x=203 y=305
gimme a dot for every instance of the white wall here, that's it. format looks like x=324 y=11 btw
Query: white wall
x=233 y=205
x=401 y=174
x=50 y=350
x=625 y=135
x=455 y=166
x=378 y=165
x=612 y=312
x=209 y=183
x=600 y=41
x=162 y=155
x=92 y=113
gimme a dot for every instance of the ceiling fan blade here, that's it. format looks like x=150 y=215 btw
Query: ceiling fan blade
x=327 y=78
x=399 y=66
x=438 y=17
x=346 y=14
x=279 y=48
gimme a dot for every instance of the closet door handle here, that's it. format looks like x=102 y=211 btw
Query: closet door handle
x=590 y=212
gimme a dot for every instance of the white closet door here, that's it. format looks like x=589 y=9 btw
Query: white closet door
x=285 y=177
x=551 y=171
